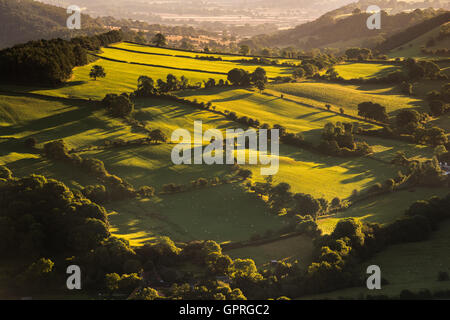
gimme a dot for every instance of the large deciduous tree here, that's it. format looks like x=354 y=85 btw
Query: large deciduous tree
x=97 y=72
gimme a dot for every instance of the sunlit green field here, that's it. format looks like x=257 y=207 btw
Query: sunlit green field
x=169 y=116
x=182 y=53
x=46 y=119
x=299 y=115
x=381 y=209
x=219 y=67
x=349 y=96
x=270 y=109
x=120 y=77
x=364 y=70
x=82 y=125
x=185 y=216
x=385 y=149
x=326 y=176
x=222 y=213
x=225 y=212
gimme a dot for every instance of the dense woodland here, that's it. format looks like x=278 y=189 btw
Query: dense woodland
x=50 y=62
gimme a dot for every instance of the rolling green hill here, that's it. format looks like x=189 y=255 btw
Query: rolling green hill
x=122 y=76
x=270 y=108
x=413 y=48
x=224 y=210
x=186 y=63
x=349 y=96
x=81 y=125
x=335 y=30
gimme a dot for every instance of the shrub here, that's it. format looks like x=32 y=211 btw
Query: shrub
x=443 y=276
x=95 y=193
x=336 y=202
x=30 y=142
x=376 y=188
x=202 y=182
x=5 y=173
x=57 y=150
x=118 y=105
x=438 y=108
x=146 y=192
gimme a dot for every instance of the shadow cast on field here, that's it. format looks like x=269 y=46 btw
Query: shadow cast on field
x=306 y=115
x=234 y=98
x=49 y=122
x=324 y=118
x=360 y=168
x=205 y=92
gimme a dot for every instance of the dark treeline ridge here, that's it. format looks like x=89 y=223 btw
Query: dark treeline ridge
x=50 y=62
x=413 y=32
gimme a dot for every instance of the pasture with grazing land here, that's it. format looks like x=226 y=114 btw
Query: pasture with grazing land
x=364 y=70
x=409 y=266
x=380 y=209
x=226 y=209
x=348 y=96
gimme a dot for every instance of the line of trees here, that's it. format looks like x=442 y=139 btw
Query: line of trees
x=243 y=78
x=116 y=187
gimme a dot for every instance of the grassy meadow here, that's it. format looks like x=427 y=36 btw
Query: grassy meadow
x=181 y=53
x=298 y=248
x=364 y=70
x=120 y=77
x=271 y=109
x=413 y=266
x=325 y=176
x=380 y=209
x=123 y=76
x=299 y=114
x=218 y=67
x=348 y=96
x=413 y=48
x=225 y=212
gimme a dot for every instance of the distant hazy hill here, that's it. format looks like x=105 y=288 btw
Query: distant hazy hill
x=324 y=5
x=344 y=28
x=25 y=20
